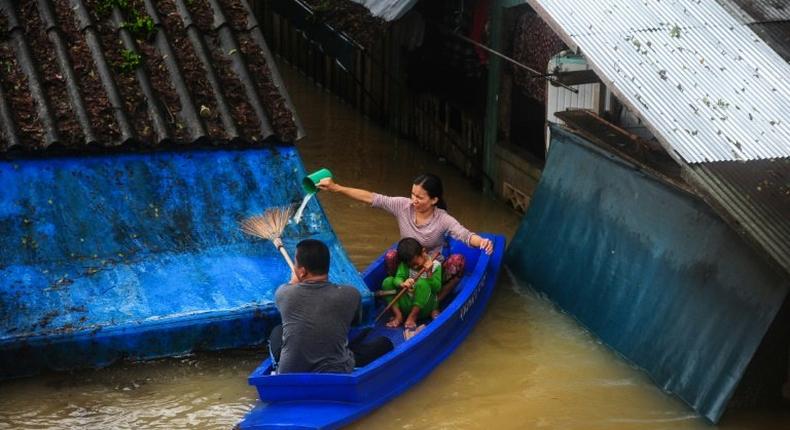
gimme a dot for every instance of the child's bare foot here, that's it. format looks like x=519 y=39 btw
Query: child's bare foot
x=410 y=324
x=408 y=334
x=394 y=322
x=434 y=314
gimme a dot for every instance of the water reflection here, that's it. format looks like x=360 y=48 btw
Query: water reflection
x=194 y=392
x=527 y=365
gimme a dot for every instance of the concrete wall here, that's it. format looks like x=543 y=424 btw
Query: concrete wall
x=516 y=175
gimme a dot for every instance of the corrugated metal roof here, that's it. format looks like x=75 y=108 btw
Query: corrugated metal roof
x=708 y=87
x=76 y=73
x=768 y=18
x=751 y=11
x=710 y=90
x=756 y=195
x=776 y=34
x=334 y=23
x=388 y=10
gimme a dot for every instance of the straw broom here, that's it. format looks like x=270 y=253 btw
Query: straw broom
x=270 y=226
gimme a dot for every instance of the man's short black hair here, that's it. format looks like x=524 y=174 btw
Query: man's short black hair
x=313 y=255
x=408 y=248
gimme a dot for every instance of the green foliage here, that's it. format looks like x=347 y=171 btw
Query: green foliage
x=105 y=6
x=141 y=26
x=130 y=60
x=322 y=6
x=3 y=28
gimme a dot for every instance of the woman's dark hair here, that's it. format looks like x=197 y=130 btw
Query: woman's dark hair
x=313 y=255
x=408 y=248
x=433 y=186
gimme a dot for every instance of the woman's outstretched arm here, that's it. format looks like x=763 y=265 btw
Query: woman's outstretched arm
x=363 y=196
x=473 y=240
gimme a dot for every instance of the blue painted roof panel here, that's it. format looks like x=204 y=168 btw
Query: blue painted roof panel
x=120 y=246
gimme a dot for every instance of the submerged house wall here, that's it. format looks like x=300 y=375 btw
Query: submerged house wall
x=517 y=105
x=374 y=67
x=649 y=269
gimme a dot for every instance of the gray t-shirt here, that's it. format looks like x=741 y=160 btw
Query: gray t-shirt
x=316 y=318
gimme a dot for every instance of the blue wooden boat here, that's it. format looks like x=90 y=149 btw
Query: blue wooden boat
x=327 y=400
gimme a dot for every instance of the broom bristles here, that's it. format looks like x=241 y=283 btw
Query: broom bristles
x=268 y=226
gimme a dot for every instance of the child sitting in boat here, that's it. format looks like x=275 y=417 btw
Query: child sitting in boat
x=420 y=300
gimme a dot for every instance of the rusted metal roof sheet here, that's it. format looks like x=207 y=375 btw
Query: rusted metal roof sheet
x=777 y=35
x=754 y=197
x=80 y=74
x=708 y=87
x=770 y=19
x=752 y=11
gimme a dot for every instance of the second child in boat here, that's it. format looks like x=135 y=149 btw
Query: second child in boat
x=420 y=301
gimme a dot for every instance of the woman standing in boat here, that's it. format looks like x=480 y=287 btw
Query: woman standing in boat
x=424 y=217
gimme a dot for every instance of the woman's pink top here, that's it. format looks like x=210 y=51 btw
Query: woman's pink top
x=431 y=234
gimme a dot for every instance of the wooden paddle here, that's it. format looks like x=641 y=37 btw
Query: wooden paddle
x=403 y=289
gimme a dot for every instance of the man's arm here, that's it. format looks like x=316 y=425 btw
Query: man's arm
x=358 y=317
x=359 y=311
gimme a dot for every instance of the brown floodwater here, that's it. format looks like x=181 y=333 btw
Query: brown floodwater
x=526 y=364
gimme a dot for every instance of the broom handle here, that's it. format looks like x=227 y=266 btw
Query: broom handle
x=280 y=247
x=403 y=290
